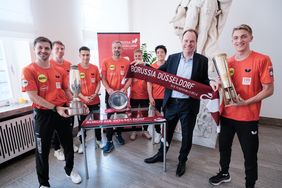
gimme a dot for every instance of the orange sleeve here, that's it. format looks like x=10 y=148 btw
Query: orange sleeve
x=98 y=78
x=104 y=69
x=266 y=71
x=28 y=80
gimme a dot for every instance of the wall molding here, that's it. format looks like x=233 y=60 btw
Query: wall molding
x=270 y=121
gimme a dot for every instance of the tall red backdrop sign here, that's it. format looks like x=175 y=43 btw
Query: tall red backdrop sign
x=130 y=42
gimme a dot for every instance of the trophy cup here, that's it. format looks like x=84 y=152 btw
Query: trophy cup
x=229 y=93
x=76 y=106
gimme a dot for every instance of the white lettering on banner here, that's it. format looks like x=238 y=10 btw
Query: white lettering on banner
x=174 y=80
x=143 y=71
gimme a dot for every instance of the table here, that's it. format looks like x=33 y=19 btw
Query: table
x=89 y=123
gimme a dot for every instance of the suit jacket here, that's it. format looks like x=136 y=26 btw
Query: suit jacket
x=199 y=74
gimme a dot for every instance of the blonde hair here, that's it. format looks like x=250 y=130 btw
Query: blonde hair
x=243 y=27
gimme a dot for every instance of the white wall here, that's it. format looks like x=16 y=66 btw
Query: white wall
x=151 y=18
x=59 y=20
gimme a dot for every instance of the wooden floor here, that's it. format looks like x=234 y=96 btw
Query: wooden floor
x=124 y=167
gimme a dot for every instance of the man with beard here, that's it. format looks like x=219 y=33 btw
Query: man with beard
x=47 y=87
x=113 y=72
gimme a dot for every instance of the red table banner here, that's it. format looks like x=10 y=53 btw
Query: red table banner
x=122 y=121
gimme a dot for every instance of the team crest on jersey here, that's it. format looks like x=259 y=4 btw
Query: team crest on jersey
x=82 y=75
x=112 y=67
x=270 y=71
x=24 y=83
x=231 y=71
x=42 y=78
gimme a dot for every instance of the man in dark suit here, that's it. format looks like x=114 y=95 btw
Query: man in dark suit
x=178 y=106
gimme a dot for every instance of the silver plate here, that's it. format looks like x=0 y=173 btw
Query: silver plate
x=118 y=100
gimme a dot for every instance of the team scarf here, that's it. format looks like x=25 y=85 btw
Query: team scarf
x=191 y=88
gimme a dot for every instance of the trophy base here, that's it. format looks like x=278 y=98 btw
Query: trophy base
x=76 y=108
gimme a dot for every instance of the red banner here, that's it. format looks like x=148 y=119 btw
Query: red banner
x=189 y=87
x=130 y=42
x=122 y=121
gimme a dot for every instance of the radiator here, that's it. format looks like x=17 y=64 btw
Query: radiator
x=16 y=137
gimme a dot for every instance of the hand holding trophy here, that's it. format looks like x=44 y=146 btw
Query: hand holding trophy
x=229 y=93
x=76 y=106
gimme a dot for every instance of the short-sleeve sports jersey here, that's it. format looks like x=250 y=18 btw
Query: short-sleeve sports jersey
x=115 y=71
x=49 y=83
x=157 y=90
x=248 y=76
x=89 y=77
x=65 y=65
x=138 y=89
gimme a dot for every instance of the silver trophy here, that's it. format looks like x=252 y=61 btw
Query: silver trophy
x=76 y=106
x=229 y=93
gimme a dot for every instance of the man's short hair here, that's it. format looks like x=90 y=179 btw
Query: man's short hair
x=42 y=39
x=58 y=42
x=161 y=47
x=138 y=51
x=192 y=31
x=84 y=48
x=243 y=27
x=116 y=42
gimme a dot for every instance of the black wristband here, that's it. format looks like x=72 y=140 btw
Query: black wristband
x=54 y=109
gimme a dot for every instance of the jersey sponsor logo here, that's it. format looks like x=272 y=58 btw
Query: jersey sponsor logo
x=122 y=72
x=24 y=83
x=112 y=67
x=58 y=85
x=82 y=75
x=42 y=78
x=246 y=81
x=93 y=80
x=231 y=71
x=270 y=71
x=43 y=88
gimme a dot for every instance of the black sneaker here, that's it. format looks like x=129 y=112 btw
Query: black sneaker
x=120 y=140
x=108 y=147
x=220 y=178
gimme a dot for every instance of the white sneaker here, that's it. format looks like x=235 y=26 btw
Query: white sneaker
x=147 y=135
x=133 y=136
x=80 y=149
x=75 y=148
x=157 y=138
x=59 y=155
x=99 y=144
x=43 y=186
x=75 y=177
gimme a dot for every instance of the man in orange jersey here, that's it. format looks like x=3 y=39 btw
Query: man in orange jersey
x=113 y=73
x=58 y=52
x=252 y=76
x=139 y=96
x=155 y=91
x=90 y=87
x=47 y=87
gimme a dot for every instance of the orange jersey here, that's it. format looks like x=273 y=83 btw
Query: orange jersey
x=157 y=90
x=114 y=71
x=138 y=89
x=49 y=83
x=65 y=65
x=248 y=76
x=89 y=78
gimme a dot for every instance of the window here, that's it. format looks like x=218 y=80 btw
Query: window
x=5 y=89
x=14 y=55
